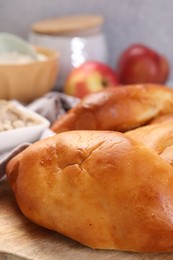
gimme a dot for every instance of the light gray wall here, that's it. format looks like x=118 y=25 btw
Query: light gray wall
x=126 y=21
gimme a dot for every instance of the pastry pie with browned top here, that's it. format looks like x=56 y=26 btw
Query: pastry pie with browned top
x=105 y=189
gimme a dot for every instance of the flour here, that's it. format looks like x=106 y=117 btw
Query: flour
x=14 y=57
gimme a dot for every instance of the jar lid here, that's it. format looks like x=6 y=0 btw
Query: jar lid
x=68 y=24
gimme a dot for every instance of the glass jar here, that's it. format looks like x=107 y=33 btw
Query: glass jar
x=77 y=39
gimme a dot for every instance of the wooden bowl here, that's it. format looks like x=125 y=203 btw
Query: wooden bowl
x=29 y=81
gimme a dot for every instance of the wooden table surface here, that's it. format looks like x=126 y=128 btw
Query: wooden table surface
x=22 y=239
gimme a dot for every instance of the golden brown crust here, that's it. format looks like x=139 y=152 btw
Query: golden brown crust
x=119 y=108
x=157 y=136
x=103 y=189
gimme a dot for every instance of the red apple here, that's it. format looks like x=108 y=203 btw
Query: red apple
x=91 y=76
x=141 y=64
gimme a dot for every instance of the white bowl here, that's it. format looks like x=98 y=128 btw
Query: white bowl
x=10 y=139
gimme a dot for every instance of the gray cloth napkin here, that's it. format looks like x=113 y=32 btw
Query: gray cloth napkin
x=9 y=156
x=51 y=106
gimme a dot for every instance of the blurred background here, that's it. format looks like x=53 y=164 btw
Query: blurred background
x=126 y=22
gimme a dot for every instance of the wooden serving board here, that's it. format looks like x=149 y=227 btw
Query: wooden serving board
x=22 y=239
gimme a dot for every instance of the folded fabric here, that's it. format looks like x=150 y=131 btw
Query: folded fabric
x=9 y=156
x=53 y=105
